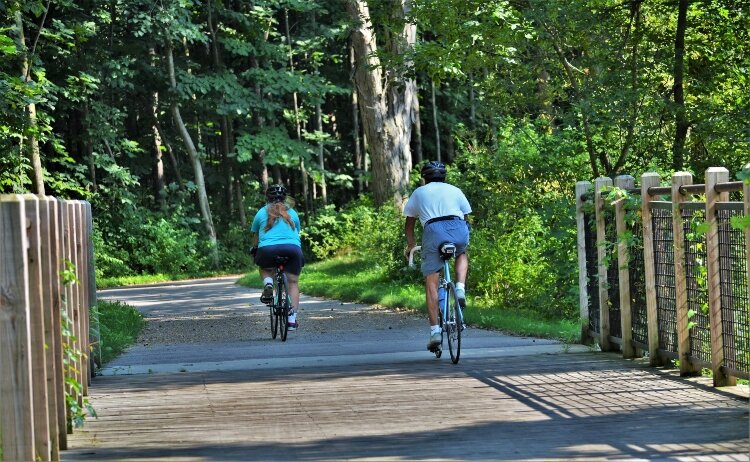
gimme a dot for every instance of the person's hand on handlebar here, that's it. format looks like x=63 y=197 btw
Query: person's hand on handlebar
x=407 y=250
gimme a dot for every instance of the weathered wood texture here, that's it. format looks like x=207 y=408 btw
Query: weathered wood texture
x=669 y=314
x=16 y=411
x=589 y=406
x=37 y=236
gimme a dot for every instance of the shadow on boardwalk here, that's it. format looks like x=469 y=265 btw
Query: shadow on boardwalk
x=567 y=407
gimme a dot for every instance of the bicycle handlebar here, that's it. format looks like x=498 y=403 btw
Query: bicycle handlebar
x=414 y=249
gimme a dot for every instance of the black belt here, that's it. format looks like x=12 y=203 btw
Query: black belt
x=445 y=218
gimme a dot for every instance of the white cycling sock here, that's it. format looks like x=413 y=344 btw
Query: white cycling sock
x=293 y=317
x=434 y=330
x=267 y=281
x=460 y=285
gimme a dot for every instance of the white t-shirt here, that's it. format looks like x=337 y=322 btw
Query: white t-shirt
x=435 y=200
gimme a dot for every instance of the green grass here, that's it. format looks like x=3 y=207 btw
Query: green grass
x=352 y=278
x=119 y=326
x=108 y=282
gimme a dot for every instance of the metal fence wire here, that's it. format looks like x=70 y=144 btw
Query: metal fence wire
x=665 y=282
x=592 y=285
x=613 y=273
x=696 y=278
x=734 y=296
x=637 y=272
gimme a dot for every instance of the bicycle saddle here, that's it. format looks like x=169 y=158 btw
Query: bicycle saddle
x=281 y=260
x=447 y=250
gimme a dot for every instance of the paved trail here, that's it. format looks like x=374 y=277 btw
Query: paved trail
x=206 y=382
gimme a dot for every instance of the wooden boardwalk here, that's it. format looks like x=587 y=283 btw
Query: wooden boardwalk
x=576 y=406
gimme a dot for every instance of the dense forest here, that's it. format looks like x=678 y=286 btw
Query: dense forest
x=172 y=116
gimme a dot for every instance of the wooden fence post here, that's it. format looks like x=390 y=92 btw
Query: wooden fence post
x=75 y=297
x=36 y=325
x=687 y=367
x=68 y=301
x=582 y=187
x=16 y=406
x=746 y=199
x=623 y=264
x=59 y=264
x=82 y=296
x=715 y=175
x=52 y=327
x=94 y=346
x=647 y=181
x=601 y=238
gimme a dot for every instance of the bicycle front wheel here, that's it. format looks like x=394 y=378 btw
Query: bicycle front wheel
x=453 y=323
x=283 y=308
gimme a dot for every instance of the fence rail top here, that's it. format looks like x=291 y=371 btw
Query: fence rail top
x=729 y=186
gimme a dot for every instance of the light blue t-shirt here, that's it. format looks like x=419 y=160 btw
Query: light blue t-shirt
x=280 y=232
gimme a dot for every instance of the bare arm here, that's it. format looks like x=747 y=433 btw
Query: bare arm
x=409 y=231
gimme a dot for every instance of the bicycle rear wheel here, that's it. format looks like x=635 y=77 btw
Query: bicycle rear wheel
x=452 y=324
x=274 y=324
x=283 y=308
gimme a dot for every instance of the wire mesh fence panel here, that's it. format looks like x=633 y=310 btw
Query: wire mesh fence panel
x=637 y=272
x=665 y=283
x=592 y=278
x=734 y=297
x=613 y=273
x=696 y=278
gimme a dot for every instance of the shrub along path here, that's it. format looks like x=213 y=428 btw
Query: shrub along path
x=206 y=382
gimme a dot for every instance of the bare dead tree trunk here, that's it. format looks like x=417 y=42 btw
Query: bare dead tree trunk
x=386 y=106
x=196 y=162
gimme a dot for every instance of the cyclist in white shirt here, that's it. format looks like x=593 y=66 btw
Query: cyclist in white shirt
x=442 y=210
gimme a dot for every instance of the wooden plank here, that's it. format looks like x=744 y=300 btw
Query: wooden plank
x=715 y=175
x=58 y=295
x=687 y=366
x=67 y=308
x=568 y=407
x=623 y=264
x=648 y=180
x=16 y=412
x=83 y=296
x=36 y=325
x=601 y=184
x=96 y=351
x=52 y=327
x=582 y=187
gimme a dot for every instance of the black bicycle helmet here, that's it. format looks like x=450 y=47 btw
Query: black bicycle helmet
x=433 y=171
x=276 y=193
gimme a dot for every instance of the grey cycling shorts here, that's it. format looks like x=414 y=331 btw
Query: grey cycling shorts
x=434 y=234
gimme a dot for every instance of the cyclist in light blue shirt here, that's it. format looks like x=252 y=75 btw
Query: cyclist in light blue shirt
x=276 y=229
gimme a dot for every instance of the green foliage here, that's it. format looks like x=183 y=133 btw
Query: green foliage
x=120 y=325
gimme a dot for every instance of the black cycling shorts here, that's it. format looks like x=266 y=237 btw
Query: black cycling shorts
x=266 y=257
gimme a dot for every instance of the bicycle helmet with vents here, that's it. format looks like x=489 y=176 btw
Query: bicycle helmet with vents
x=434 y=171
x=276 y=193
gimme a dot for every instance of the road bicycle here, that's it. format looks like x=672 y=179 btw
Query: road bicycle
x=450 y=314
x=280 y=306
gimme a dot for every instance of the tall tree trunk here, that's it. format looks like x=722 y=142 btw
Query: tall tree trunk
x=355 y=124
x=303 y=171
x=417 y=126
x=32 y=143
x=195 y=161
x=159 y=182
x=261 y=122
x=682 y=125
x=435 y=121
x=386 y=110
x=319 y=126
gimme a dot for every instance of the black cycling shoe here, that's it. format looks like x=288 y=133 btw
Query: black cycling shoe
x=267 y=295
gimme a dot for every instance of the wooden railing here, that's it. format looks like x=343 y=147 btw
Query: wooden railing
x=46 y=291
x=665 y=270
